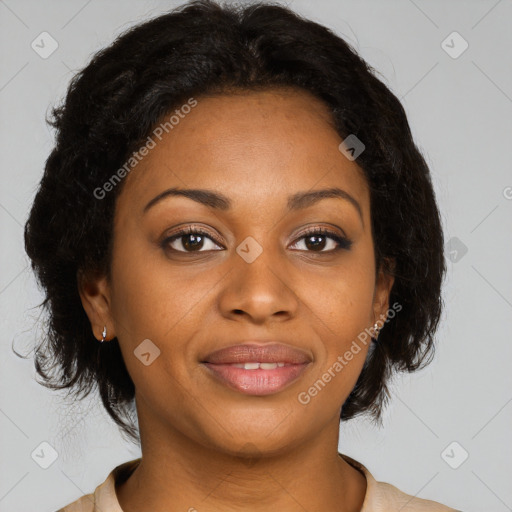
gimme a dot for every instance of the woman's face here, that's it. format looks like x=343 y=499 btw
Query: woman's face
x=254 y=275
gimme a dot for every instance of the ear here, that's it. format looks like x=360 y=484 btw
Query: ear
x=383 y=285
x=94 y=292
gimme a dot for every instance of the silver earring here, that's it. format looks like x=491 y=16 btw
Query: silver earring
x=376 y=329
x=104 y=334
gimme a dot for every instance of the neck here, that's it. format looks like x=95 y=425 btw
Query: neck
x=180 y=473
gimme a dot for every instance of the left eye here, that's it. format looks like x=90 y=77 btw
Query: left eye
x=317 y=239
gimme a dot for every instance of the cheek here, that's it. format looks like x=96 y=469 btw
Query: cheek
x=152 y=297
x=155 y=300
x=342 y=300
x=340 y=309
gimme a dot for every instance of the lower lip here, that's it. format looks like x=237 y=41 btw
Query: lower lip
x=257 y=382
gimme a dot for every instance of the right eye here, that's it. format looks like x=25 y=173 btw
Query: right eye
x=190 y=240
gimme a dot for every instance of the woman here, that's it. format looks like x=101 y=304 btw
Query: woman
x=237 y=235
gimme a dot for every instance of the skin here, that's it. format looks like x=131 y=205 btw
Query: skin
x=205 y=445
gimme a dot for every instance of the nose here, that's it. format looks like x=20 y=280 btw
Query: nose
x=261 y=290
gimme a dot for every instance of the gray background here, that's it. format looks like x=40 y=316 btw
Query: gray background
x=460 y=114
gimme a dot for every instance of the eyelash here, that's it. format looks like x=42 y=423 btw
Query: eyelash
x=343 y=242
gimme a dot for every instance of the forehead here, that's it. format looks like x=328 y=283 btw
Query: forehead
x=255 y=146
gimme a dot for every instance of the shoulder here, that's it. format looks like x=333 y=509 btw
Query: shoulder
x=387 y=497
x=104 y=497
x=384 y=497
x=83 y=504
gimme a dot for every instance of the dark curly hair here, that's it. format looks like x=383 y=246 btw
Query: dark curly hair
x=203 y=48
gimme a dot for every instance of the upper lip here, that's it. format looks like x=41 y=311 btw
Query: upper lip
x=248 y=352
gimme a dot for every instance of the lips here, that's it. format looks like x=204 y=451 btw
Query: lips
x=255 y=369
x=251 y=352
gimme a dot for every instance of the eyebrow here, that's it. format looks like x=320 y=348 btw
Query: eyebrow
x=218 y=201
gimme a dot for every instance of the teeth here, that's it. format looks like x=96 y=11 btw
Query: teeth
x=255 y=366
